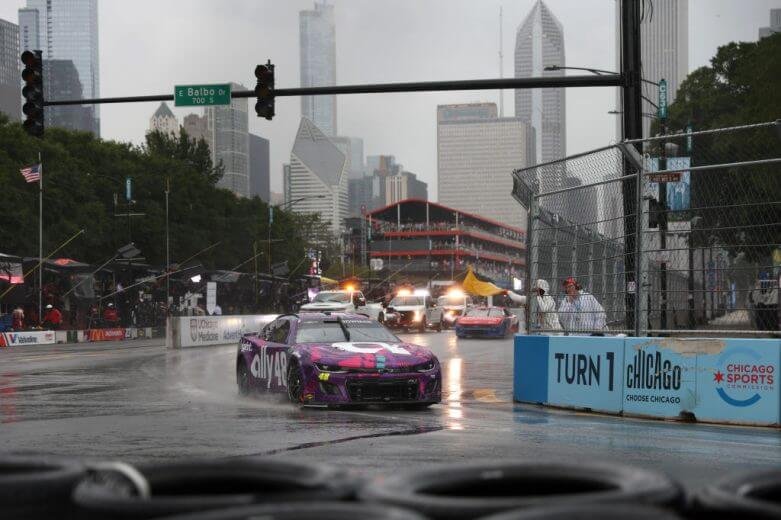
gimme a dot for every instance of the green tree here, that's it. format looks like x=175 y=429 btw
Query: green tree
x=83 y=176
x=738 y=206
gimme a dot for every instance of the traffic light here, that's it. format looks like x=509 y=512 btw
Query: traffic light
x=32 y=75
x=264 y=90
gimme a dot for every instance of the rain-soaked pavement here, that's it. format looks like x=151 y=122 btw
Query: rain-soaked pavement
x=137 y=401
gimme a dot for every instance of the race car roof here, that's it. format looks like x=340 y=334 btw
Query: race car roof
x=321 y=316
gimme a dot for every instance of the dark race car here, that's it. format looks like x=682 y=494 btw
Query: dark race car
x=488 y=322
x=322 y=359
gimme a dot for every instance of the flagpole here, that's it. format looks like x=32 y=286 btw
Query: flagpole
x=40 y=239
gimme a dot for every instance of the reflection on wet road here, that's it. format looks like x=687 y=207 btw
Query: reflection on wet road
x=136 y=401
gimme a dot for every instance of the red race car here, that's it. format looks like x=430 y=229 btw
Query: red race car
x=488 y=322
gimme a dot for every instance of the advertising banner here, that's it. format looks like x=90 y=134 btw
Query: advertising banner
x=16 y=339
x=112 y=334
x=713 y=379
x=578 y=372
x=586 y=372
x=660 y=376
x=198 y=331
x=738 y=381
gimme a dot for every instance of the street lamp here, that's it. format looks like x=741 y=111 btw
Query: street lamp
x=288 y=204
x=644 y=114
x=598 y=72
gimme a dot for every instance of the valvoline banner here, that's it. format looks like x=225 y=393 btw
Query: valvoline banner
x=14 y=339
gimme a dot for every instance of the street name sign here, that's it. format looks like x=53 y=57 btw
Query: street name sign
x=202 y=95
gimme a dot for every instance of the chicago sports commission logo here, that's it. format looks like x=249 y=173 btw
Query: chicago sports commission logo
x=742 y=378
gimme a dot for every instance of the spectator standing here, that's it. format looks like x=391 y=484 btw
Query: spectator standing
x=111 y=316
x=580 y=311
x=17 y=318
x=52 y=319
x=547 y=318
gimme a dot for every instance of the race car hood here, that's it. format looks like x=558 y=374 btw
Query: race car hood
x=326 y=306
x=480 y=320
x=353 y=354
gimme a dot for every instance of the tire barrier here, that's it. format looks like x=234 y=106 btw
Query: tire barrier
x=308 y=511
x=479 y=490
x=33 y=487
x=177 y=488
x=752 y=495
x=588 y=512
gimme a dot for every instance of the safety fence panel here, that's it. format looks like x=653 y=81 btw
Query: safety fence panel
x=707 y=258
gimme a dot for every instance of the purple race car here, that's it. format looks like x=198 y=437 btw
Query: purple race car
x=324 y=359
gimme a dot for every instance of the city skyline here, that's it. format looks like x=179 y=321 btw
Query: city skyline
x=318 y=65
x=67 y=30
x=407 y=46
x=539 y=43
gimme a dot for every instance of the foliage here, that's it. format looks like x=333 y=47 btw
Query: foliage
x=83 y=177
x=741 y=86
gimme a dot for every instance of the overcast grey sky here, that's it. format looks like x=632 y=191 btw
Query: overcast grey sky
x=148 y=46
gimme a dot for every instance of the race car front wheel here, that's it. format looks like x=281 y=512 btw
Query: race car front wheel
x=242 y=378
x=295 y=383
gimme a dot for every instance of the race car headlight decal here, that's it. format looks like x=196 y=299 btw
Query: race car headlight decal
x=322 y=367
x=425 y=367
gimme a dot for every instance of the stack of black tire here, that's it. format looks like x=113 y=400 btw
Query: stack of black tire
x=273 y=489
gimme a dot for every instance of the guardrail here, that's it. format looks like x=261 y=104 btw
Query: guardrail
x=204 y=331
x=712 y=380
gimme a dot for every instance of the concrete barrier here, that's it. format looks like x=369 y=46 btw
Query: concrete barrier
x=201 y=331
x=712 y=380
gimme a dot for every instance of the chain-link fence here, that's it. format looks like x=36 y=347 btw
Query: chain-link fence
x=708 y=255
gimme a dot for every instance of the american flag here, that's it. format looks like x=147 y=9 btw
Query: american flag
x=32 y=173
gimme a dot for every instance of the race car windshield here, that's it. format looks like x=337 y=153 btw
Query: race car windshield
x=332 y=297
x=368 y=330
x=406 y=300
x=450 y=300
x=320 y=332
x=483 y=313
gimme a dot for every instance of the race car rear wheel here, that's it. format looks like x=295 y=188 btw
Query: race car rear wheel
x=242 y=378
x=295 y=383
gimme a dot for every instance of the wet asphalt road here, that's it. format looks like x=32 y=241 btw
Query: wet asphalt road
x=137 y=401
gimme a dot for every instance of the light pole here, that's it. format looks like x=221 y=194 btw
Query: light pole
x=288 y=204
x=282 y=206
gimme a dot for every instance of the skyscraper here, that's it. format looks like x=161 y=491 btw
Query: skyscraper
x=664 y=53
x=66 y=30
x=195 y=127
x=352 y=147
x=163 y=120
x=259 y=177
x=61 y=80
x=318 y=65
x=476 y=154
x=10 y=89
x=228 y=138
x=316 y=168
x=539 y=43
x=775 y=24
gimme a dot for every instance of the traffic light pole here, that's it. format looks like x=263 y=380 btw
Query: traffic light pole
x=608 y=80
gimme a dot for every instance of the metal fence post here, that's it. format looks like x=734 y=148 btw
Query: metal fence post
x=532 y=255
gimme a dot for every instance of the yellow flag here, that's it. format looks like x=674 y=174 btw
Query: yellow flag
x=476 y=287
